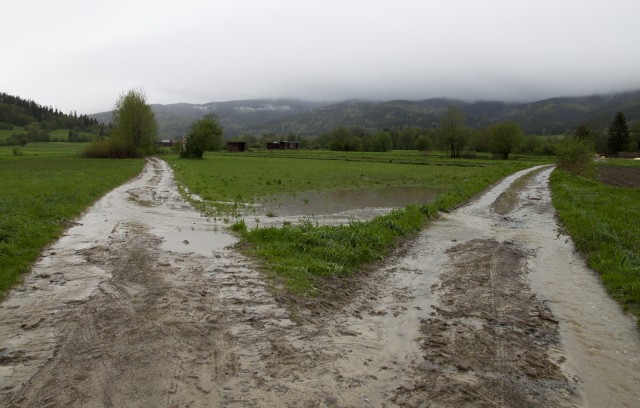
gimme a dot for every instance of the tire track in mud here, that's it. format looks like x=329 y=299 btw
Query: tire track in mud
x=132 y=323
x=144 y=304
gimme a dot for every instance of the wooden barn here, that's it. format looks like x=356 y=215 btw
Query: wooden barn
x=283 y=145
x=236 y=146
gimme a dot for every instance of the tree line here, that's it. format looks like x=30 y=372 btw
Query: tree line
x=451 y=135
x=135 y=132
x=39 y=120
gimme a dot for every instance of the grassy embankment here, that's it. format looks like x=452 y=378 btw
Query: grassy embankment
x=42 y=191
x=301 y=255
x=604 y=222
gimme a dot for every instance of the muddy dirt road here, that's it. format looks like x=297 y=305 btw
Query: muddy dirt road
x=144 y=304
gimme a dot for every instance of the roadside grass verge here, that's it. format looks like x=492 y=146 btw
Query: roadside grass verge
x=604 y=223
x=302 y=256
x=41 y=195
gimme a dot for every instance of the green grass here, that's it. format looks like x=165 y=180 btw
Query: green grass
x=408 y=156
x=5 y=134
x=604 y=222
x=58 y=135
x=246 y=177
x=303 y=255
x=41 y=193
x=48 y=149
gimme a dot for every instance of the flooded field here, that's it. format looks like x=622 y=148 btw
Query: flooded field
x=145 y=303
x=334 y=202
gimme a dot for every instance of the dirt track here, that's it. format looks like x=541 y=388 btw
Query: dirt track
x=143 y=304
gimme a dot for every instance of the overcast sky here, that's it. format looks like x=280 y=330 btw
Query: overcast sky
x=79 y=54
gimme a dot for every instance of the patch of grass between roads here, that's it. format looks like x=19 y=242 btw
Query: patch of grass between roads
x=604 y=223
x=41 y=195
x=304 y=254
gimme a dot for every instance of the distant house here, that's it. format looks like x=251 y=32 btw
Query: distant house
x=283 y=145
x=166 y=143
x=627 y=155
x=236 y=146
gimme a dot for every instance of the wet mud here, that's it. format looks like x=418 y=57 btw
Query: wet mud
x=619 y=176
x=146 y=303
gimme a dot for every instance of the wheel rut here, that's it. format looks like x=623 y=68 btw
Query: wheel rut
x=145 y=303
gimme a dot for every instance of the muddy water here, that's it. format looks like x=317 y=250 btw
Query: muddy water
x=143 y=303
x=120 y=232
x=333 y=202
x=600 y=343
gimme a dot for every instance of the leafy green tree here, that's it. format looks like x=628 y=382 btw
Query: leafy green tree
x=424 y=143
x=135 y=124
x=36 y=133
x=381 y=142
x=338 y=139
x=618 y=134
x=205 y=134
x=505 y=139
x=582 y=133
x=575 y=156
x=354 y=144
x=451 y=133
x=532 y=144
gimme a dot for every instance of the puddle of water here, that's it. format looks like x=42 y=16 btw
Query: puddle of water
x=333 y=202
x=199 y=242
x=601 y=341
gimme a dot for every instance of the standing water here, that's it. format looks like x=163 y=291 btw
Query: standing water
x=601 y=341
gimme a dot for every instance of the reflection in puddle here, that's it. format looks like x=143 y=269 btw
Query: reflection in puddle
x=199 y=242
x=333 y=202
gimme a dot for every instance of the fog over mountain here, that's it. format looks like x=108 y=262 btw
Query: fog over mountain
x=80 y=55
x=289 y=116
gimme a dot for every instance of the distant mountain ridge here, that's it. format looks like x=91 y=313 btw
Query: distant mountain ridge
x=291 y=116
x=235 y=116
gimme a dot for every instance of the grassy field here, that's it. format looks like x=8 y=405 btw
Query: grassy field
x=4 y=134
x=58 y=135
x=246 y=177
x=303 y=255
x=604 y=222
x=435 y=157
x=47 y=149
x=42 y=191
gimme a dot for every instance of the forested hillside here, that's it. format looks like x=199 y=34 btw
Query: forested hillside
x=235 y=116
x=304 y=118
x=24 y=121
x=547 y=117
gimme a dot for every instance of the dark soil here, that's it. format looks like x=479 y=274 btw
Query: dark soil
x=619 y=176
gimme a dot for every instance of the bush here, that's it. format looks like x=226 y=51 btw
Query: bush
x=575 y=156
x=424 y=143
x=103 y=149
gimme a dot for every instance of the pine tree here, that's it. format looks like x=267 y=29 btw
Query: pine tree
x=618 y=134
